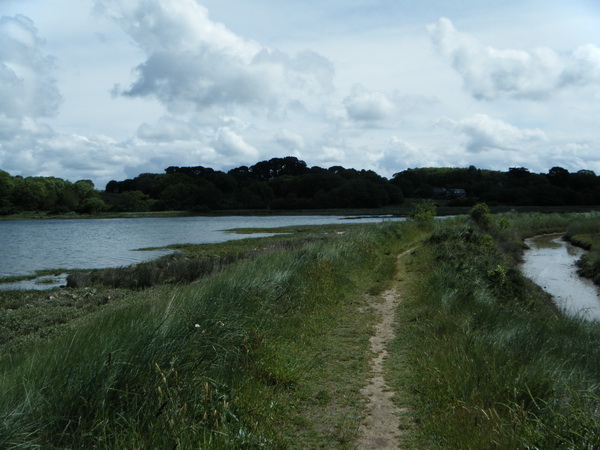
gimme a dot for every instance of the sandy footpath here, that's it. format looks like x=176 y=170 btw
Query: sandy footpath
x=381 y=427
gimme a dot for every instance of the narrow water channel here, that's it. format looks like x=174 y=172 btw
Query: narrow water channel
x=550 y=263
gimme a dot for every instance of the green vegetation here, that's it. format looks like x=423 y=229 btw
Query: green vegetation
x=482 y=356
x=586 y=234
x=516 y=187
x=264 y=343
x=424 y=212
x=288 y=184
x=480 y=213
x=30 y=317
x=269 y=351
x=49 y=194
x=277 y=184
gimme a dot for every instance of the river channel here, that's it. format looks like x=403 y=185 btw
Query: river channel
x=27 y=246
x=550 y=263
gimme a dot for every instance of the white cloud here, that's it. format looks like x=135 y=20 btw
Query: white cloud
x=27 y=88
x=238 y=85
x=45 y=152
x=331 y=156
x=574 y=156
x=194 y=63
x=368 y=106
x=399 y=154
x=168 y=129
x=404 y=147
x=583 y=67
x=231 y=144
x=289 y=140
x=28 y=91
x=484 y=133
x=489 y=73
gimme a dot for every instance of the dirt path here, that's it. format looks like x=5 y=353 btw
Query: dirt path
x=381 y=427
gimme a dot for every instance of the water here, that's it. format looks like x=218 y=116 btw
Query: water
x=550 y=263
x=31 y=245
x=37 y=284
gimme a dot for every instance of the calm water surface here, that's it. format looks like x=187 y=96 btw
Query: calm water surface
x=550 y=263
x=31 y=245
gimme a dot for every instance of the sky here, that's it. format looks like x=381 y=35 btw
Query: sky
x=108 y=89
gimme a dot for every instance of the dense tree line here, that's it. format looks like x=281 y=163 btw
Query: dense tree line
x=279 y=183
x=288 y=183
x=54 y=195
x=518 y=186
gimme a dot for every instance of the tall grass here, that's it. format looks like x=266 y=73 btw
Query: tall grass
x=176 y=268
x=586 y=224
x=209 y=364
x=530 y=224
x=586 y=234
x=494 y=364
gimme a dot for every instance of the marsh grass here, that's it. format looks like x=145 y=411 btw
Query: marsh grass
x=171 y=269
x=585 y=233
x=33 y=316
x=188 y=263
x=488 y=360
x=267 y=352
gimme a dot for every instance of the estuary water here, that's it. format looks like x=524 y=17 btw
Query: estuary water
x=550 y=263
x=27 y=246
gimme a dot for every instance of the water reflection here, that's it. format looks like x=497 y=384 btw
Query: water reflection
x=550 y=263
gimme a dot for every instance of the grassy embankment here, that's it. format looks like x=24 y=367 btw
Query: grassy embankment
x=267 y=350
x=586 y=234
x=482 y=356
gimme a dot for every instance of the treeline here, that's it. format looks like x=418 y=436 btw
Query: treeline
x=518 y=186
x=54 y=195
x=279 y=183
x=289 y=184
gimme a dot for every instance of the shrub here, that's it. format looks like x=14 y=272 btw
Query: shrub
x=423 y=212
x=480 y=213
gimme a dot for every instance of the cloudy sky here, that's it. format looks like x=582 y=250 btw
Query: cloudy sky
x=109 y=89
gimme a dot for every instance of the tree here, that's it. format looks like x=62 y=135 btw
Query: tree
x=276 y=167
x=518 y=172
x=559 y=176
x=6 y=188
x=135 y=201
x=181 y=196
x=84 y=189
x=91 y=205
x=28 y=193
x=67 y=200
x=584 y=179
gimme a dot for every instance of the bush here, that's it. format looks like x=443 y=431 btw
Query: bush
x=423 y=212
x=91 y=205
x=480 y=213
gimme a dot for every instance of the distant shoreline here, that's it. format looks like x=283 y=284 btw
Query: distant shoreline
x=395 y=211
